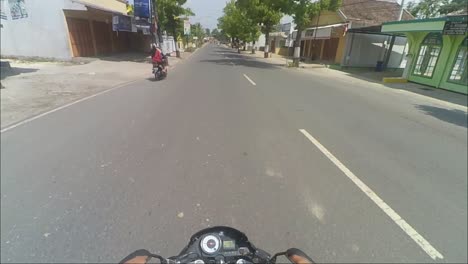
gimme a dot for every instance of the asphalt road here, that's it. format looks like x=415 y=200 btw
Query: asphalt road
x=148 y=164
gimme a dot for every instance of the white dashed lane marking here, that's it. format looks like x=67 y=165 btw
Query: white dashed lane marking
x=250 y=80
x=409 y=230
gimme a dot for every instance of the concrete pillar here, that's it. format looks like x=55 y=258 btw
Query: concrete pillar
x=93 y=37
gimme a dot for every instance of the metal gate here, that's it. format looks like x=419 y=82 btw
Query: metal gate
x=103 y=34
x=80 y=37
x=329 y=49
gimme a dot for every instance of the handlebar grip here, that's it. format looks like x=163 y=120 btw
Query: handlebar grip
x=297 y=256
x=138 y=256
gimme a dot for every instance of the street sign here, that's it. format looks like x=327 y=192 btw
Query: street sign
x=142 y=8
x=121 y=23
x=186 y=27
x=455 y=27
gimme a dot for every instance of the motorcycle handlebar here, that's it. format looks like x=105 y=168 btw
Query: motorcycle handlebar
x=142 y=256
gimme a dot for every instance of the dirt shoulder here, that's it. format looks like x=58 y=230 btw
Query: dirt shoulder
x=33 y=87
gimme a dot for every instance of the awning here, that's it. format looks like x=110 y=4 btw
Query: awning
x=278 y=34
x=417 y=25
x=372 y=30
x=99 y=7
x=328 y=26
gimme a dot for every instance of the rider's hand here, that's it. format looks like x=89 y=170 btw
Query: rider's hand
x=140 y=256
x=298 y=257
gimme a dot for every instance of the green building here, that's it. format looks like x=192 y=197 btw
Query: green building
x=437 y=53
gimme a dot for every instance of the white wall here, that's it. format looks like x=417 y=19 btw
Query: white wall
x=261 y=41
x=367 y=49
x=43 y=33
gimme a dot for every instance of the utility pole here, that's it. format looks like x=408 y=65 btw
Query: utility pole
x=157 y=25
x=400 y=16
x=314 y=42
x=392 y=40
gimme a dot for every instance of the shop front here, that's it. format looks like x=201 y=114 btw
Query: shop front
x=437 y=53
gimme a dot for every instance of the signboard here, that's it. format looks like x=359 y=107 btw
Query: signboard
x=142 y=8
x=186 y=27
x=3 y=14
x=433 y=39
x=121 y=23
x=286 y=28
x=455 y=28
x=18 y=9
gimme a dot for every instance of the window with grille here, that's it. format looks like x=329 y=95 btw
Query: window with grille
x=309 y=32
x=428 y=54
x=459 y=69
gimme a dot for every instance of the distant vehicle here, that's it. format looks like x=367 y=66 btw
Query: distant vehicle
x=159 y=71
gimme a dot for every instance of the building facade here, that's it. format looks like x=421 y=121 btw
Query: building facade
x=331 y=38
x=63 y=29
x=437 y=53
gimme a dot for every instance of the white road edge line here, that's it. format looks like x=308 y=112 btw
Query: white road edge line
x=62 y=107
x=410 y=231
x=250 y=80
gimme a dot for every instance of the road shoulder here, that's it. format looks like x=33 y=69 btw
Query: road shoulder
x=446 y=99
x=34 y=88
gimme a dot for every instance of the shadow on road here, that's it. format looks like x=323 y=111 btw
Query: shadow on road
x=453 y=116
x=243 y=62
x=15 y=71
x=151 y=79
x=232 y=58
x=376 y=77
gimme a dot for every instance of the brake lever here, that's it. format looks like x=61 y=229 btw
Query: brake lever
x=273 y=259
x=185 y=258
x=161 y=259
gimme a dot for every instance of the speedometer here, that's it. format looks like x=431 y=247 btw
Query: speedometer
x=210 y=244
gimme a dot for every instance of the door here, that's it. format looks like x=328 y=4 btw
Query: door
x=80 y=37
x=329 y=49
x=103 y=33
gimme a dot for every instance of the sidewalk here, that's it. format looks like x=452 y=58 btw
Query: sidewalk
x=286 y=61
x=34 y=87
x=371 y=78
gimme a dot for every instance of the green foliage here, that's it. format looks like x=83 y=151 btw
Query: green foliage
x=196 y=30
x=425 y=8
x=435 y=8
x=265 y=13
x=303 y=11
x=452 y=6
x=170 y=13
x=235 y=23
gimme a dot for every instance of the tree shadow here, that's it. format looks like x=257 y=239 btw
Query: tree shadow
x=453 y=116
x=437 y=93
x=8 y=72
x=243 y=62
x=231 y=57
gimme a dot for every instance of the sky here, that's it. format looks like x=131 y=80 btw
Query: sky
x=207 y=12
